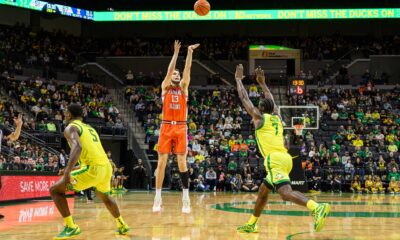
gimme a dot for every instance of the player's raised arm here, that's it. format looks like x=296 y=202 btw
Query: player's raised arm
x=244 y=97
x=172 y=64
x=71 y=133
x=260 y=77
x=15 y=135
x=188 y=65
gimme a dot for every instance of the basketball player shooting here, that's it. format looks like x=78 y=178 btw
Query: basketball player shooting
x=278 y=162
x=173 y=132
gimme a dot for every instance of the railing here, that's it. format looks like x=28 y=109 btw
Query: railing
x=224 y=72
x=130 y=121
x=35 y=140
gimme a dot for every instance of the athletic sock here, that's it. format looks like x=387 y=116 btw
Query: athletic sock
x=185 y=179
x=312 y=205
x=158 y=193
x=120 y=221
x=185 y=194
x=69 y=221
x=253 y=220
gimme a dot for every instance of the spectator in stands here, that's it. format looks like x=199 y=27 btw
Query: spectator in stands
x=211 y=179
x=232 y=167
x=249 y=185
x=236 y=183
x=358 y=142
x=221 y=182
x=392 y=165
x=368 y=153
x=369 y=185
x=253 y=91
x=139 y=174
x=394 y=174
x=316 y=180
x=129 y=77
x=359 y=168
x=346 y=158
x=335 y=160
x=356 y=185
x=392 y=147
x=335 y=147
x=334 y=115
x=336 y=184
x=378 y=185
x=201 y=185
x=393 y=185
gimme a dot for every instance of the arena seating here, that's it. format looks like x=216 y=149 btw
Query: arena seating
x=363 y=122
x=46 y=101
x=210 y=110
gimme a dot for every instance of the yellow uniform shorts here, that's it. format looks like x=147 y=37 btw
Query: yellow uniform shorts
x=97 y=176
x=278 y=166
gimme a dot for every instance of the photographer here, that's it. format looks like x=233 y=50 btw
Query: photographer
x=139 y=174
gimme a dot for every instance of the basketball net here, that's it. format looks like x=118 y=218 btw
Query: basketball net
x=298 y=128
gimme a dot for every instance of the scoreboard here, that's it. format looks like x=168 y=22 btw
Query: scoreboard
x=47 y=7
x=297 y=86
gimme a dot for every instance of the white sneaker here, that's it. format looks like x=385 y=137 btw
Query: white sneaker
x=157 y=205
x=186 y=206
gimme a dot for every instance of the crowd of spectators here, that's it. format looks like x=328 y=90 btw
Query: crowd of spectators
x=20 y=45
x=27 y=155
x=235 y=48
x=223 y=153
x=359 y=137
x=47 y=100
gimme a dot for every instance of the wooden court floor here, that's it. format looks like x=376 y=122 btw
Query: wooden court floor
x=214 y=216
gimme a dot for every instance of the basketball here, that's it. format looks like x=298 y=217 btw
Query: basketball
x=202 y=7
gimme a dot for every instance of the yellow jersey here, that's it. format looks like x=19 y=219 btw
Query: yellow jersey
x=269 y=135
x=92 y=151
x=378 y=184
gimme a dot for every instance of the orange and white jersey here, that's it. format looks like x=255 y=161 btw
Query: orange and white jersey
x=174 y=105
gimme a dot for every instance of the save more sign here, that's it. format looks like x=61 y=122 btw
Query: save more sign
x=25 y=187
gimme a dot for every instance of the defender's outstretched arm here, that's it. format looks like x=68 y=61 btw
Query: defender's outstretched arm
x=244 y=97
x=260 y=77
x=15 y=135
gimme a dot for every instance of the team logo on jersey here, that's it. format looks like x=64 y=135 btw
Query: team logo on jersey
x=279 y=176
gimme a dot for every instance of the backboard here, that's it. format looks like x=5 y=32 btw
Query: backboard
x=306 y=115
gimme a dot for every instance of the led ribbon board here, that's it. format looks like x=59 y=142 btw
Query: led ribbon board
x=304 y=14
x=299 y=14
x=50 y=8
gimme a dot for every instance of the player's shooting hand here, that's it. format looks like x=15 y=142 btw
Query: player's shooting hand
x=193 y=47
x=177 y=46
x=18 y=121
x=260 y=76
x=239 y=72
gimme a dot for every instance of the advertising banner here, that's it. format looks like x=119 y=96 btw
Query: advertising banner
x=24 y=187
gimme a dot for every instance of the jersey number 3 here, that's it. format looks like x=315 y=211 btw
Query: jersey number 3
x=175 y=98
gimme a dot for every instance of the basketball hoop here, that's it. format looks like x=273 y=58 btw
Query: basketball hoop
x=298 y=128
